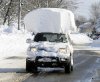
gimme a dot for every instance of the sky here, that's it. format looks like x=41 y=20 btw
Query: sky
x=84 y=7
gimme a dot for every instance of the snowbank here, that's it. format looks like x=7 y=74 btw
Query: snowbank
x=12 y=42
x=5 y=29
x=12 y=45
x=50 y=20
x=80 y=39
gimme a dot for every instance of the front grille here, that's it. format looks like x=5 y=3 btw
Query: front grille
x=51 y=58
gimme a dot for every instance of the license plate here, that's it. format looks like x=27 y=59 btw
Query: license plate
x=46 y=59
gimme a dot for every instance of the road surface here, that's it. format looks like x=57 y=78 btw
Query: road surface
x=12 y=69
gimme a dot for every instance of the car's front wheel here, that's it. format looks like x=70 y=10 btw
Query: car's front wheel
x=68 y=68
x=30 y=66
x=69 y=65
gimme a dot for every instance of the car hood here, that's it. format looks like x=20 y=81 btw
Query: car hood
x=49 y=46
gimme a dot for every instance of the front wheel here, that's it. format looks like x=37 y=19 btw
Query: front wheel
x=30 y=66
x=68 y=68
x=72 y=68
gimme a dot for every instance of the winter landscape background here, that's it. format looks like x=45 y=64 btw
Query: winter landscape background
x=13 y=46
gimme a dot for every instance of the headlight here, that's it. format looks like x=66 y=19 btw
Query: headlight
x=63 y=59
x=62 y=50
x=31 y=59
x=33 y=49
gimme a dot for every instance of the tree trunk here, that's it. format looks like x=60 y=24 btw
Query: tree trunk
x=7 y=13
x=19 y=15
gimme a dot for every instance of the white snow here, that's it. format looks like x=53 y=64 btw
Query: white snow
x=49 y=49
x=50 y=20
x=12 y=45
x=80 y=39
x=12 y=42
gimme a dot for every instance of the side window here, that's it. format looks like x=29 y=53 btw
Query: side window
x=65 y=38
x=62 y=38
x=38 y=37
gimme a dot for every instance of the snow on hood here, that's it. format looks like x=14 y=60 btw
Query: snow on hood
x=54 y=20
x=48 y=46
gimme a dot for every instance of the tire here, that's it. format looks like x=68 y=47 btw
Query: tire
x=69 y=65
x=72 y=63
x=72 y=68
x=30 y=66
x=68 y=68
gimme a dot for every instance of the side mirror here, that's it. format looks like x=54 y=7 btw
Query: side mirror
x=29 y=40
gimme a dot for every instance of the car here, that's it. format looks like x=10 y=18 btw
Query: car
x=96 y=36
x=49 y=50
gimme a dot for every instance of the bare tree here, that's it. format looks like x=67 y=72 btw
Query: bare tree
x=7 y=13
x=33 y=4
x=95 y=11
x=9 y=8
x=80 y=20
x=3 y=9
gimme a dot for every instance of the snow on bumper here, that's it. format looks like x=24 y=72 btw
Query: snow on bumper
x=33 y=55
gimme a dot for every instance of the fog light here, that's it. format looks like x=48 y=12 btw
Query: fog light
x=31 y=59
x=62 y=59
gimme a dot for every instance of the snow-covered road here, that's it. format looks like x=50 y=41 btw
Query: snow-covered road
x=12 y=69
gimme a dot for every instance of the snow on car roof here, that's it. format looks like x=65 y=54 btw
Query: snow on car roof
x=54 y=20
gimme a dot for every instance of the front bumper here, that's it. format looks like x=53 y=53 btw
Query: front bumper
x=49 y=61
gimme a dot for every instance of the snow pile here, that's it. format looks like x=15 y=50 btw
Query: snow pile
x=7 y=29
x=12 y=43
x=80 y=39
x=50 y=20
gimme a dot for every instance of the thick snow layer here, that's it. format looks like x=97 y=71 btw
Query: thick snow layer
x=50 y=20
x=5 y=29
x=49 y=49
x=80 y=39
x=13 y=45
x=12 y=42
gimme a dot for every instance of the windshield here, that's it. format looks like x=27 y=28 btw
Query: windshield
x=51 y=37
